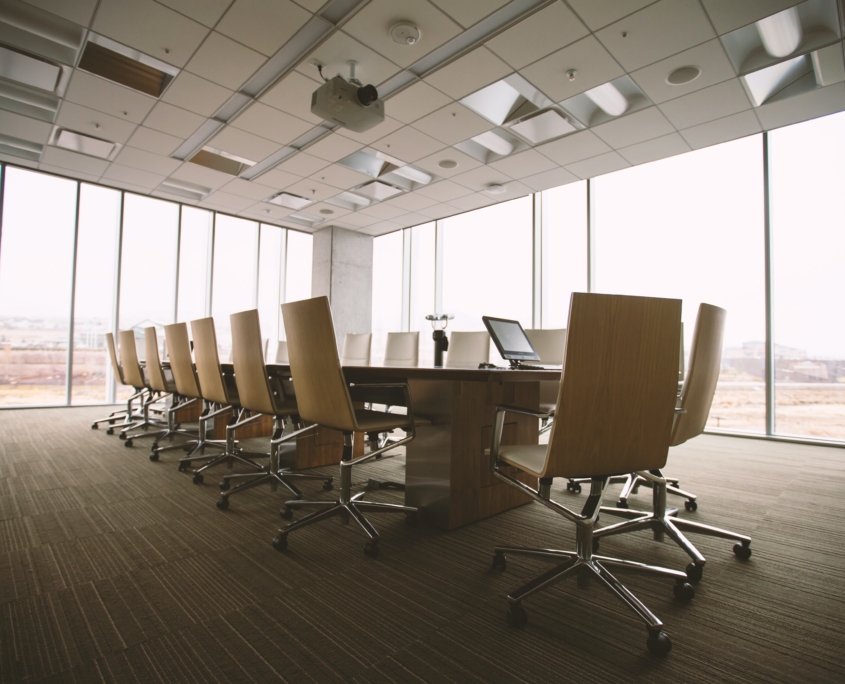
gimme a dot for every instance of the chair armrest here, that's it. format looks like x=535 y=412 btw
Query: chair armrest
x=524 y=411
x=499 y=426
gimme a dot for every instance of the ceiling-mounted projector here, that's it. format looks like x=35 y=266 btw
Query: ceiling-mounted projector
x=348 y=103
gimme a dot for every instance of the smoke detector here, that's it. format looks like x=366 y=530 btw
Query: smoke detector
x=404 y=33
x=495 y=189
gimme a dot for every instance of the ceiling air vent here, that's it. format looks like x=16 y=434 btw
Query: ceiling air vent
x=32 y=71
x=286 y=199
x=20 y=148
x=131 y=68
x=219 y=160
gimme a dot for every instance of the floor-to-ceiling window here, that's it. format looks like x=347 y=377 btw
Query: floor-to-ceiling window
x=387 y=291
x=298 y=266
x=422 y=286
x=807 y=179
x=271 y=278
x=195 y=241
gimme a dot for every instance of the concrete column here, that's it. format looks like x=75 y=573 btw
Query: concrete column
x=343 y=271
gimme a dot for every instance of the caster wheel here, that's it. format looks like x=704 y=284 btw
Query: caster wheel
x=691 y=505
x=500 y=561
x=517 y=617
x=412 y=519
x=183 y=467
x=280 y=542
x=121 y=436
x=595 y=545
x=286 y=513
x=742 y=551
x=694 y=572
x=94 y=426
x=328 y=486
x=127 y=443
x=223 y=503
x=110 y=431
x=154 y=456
x=111 y=422
x=622 y=503
x=576 y=488
x=684 y=591
x=373 y=484
x=198 y=478
x=224 y=485
x=371 y=549
x=659 y=643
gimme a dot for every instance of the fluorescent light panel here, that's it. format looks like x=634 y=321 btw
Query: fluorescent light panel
x=286 y=199
x=84 y=144
x=606 y=96
x=30 y=71
x=781 y=33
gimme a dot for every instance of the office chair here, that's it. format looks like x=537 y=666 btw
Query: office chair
x=549 y=345
x=468 y=349
x=260 y=396
x=324 y=398
x=694 y=404
x=128 y=414
x=134 y=375
x=356 y=349
x=613 y=415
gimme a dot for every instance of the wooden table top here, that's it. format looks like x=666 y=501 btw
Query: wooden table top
x=364 y=374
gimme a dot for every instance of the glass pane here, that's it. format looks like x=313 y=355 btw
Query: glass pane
x=36 y=262
x=270 y=276
x=423 y=239
x=298 y=272
x=96 y=261
x=807 y=177
x=194 y=264
x=564 y=250
x=487 y=267
x=387 y=290
x=691 y=227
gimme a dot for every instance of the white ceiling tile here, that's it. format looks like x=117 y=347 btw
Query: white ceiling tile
x=656 y=32
x=437 y=211
x=19 y=126
x=408 y=144
x=201 y=175
x=147 y=161
x=651 y=150
x=524 y=164
x=78 y=175
x=550 y=179
x=293 y=95
x=266 y=211
x=722 y=130
x=79 y=11
x=333 y=147
x=151 y=28
x=264 y=25
x=599 y=13
x=410 y=220
x=84 y=120
x=340 y=176
x=592 y=63
x=228 y=201
x=143 y=179
x=415 y=101
x=378 y=132
x=705 y=105
x=633 y=128
x=66 y=159
x=154 y=141
x=469 y=73
x=335 y=54
x=481 y=178
x=271 y=123
x=108 y=97
x=469 y=12
x=820 y=102
x=206 y=12
x=474 y=201
x=196 y=94
x=302 y=164
x=242 y=144
x=444 y=191
x=360 y=220
x=372 y=25
x=381 y=228
x=249 y=189
x=326 y=211
x=173 y=198
x=313 y=190
x=453 y=124
x=173 y=120
x=432 y=162
x=596 y=166
x=540 y=34
x=728 y=15
x=29 y=163
x=573 y=148
x=709 y=57
x=311 y=5
x=277 y=178
x=382 y=211
x=412 y=201
x=225 y=62
x=124 y=185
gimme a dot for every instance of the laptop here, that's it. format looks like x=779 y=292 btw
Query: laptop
x=512 y=342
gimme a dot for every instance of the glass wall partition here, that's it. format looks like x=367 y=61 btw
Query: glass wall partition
x=387 y=291
x=195 y=242
x=807 y=178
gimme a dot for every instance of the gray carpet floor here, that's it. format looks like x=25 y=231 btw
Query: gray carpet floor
x=117 y=569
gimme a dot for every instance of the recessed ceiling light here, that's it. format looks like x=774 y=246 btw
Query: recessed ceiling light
x=286 y=199
x=683 y=75
x=544 y=126
x=377 y=190
x=31 y=71
x=326 y=211
x=404 y=33
x=495 y=189
x=611 y=101
x=447 y=164
x=495 y=143
x=781 y=33
x=84 y=144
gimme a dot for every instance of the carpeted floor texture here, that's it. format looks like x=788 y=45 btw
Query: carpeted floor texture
x=117 y=569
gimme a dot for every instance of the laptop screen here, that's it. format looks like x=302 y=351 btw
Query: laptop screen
x=510 y=339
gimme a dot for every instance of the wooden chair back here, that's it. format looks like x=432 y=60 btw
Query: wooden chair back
x=356 y=349
x=705 y=360
x=549 y=343
x=321 y=390
x=181 y=362
x=209 y=371
x=468 y=349
x=115 y=365
x=402 y=350
x=250 y=372
x=155 y=373
x=128 y=352
x=619 y=386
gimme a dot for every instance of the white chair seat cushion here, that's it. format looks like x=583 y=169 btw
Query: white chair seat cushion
x=530 y=458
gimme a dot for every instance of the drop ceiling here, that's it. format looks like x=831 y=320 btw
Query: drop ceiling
x=244 y=74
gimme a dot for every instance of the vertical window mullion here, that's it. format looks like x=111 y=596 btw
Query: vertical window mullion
x=178 y=259
x=69 y=364
x=769 y=289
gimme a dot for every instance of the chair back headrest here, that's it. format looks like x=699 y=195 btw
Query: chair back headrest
x=705 y=360
x=250 y=372
x=619 y=386
x=278 y=353
x=402 y=349
x=549 y=344
x=155 y=374
x=128 y=353
x=356 y=349
x=118 y=371
x=181 y=363
x=209 y=372
x=321 y=390
x=468 y=349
